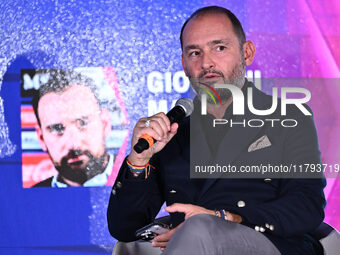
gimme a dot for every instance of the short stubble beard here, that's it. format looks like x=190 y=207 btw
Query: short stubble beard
x=237 y=78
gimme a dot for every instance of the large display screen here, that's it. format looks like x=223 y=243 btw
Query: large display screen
x=97 y=143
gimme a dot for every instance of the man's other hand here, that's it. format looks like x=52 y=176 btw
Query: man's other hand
x=191 y=210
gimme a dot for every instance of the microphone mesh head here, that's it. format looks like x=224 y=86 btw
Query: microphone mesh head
x=186 y=104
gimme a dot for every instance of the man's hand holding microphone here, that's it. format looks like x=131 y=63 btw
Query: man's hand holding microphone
x=151 y=134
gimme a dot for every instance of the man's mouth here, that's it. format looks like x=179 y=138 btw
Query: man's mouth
x=211 y=76
x=76 y=161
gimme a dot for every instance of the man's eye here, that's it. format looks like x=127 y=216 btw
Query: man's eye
x=220 y=48
x=194 y=53
x=57 y=129
x=81 y=123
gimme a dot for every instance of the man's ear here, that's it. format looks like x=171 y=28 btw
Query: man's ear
x=106 y=120
x=40 y=138
x=184 y=67
x=248 y=52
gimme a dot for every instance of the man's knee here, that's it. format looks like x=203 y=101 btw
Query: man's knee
x=195 y=233
x=203 y=225
x=209 y=233
x=199 y=224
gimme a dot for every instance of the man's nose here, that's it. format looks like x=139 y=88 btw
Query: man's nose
x=72 y=138
x=207 y=62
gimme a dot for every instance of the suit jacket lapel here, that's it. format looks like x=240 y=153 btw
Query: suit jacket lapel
x=238 y=138
x=199 y=148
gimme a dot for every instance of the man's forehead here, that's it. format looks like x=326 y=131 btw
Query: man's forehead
x=75 y=102
x=212 y=42
x=207 y=26
x=74 y=93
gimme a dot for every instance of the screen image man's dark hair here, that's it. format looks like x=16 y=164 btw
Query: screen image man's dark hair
x=59 y=80
x=237 y=27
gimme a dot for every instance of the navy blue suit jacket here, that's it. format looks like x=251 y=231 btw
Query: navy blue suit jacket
x=294 y=207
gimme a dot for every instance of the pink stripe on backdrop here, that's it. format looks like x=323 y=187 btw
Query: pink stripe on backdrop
x=112 y=80
x=118 y=162
x=328 y=69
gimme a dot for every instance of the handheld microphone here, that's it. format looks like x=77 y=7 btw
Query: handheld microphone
x=183 y=108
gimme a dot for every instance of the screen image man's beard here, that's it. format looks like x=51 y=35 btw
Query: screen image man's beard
x=75 y=168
